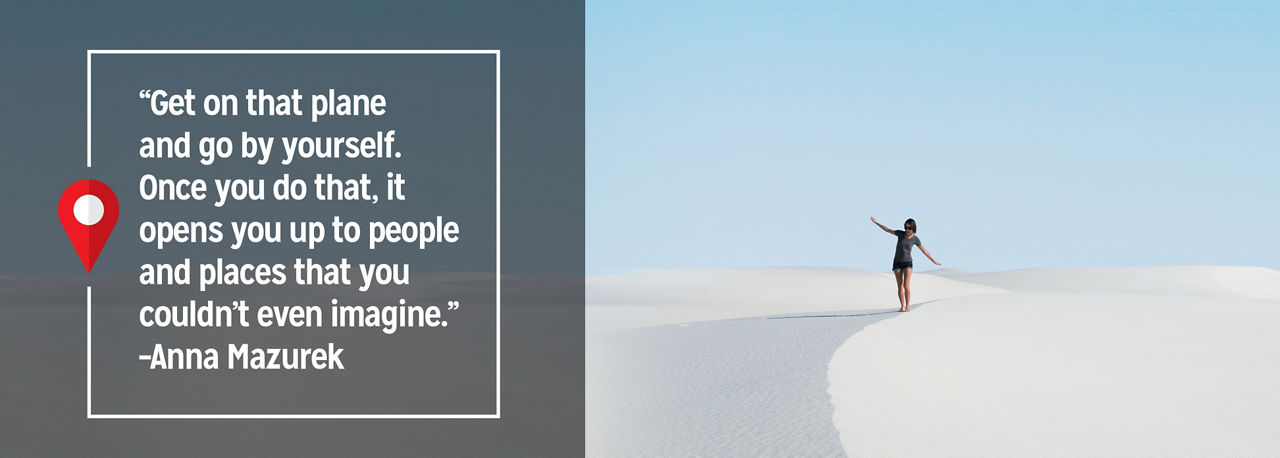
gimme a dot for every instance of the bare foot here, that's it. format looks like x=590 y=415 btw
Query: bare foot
x=908 y=309
x=900 y=309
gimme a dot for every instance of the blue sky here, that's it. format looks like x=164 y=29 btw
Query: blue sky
x=1059 y=134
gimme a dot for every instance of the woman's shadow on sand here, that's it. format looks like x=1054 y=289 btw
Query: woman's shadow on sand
x=843 y=315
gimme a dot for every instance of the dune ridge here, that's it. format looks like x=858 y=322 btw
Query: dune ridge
x=1170 y=360
x=1045 y=361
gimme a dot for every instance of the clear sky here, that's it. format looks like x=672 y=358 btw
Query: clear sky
x=1018 y=134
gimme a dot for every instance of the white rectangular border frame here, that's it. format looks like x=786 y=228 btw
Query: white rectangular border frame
x=88 y=301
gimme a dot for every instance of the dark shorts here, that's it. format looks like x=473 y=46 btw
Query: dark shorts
x=901 y=265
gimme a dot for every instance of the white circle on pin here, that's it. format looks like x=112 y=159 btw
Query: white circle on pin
x=88 y=209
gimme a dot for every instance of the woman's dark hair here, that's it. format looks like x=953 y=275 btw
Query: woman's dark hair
x=911 y=224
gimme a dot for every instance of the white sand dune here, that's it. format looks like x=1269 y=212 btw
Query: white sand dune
x=1255 y=282
x=1063 y=361
x=689 y=295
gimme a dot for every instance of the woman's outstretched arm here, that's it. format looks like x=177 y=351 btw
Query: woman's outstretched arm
x=873 y=219
x=926 y=253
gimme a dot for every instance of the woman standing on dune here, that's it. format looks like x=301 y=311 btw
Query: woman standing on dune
x=902 y=260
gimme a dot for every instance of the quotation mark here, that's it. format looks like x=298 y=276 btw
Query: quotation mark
x=144 y=94
x=453 y=305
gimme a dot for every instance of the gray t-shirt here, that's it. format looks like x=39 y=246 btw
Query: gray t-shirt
x=903 y=253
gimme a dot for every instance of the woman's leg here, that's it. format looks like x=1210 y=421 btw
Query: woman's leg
x=902 y=300
x=906 y=288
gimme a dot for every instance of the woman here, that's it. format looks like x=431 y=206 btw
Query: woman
x=902 y=260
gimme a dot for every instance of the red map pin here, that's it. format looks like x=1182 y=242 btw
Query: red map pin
x=88 y=210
